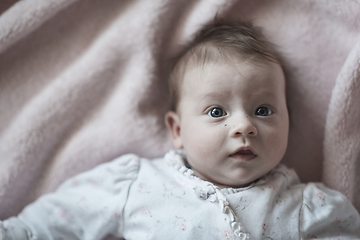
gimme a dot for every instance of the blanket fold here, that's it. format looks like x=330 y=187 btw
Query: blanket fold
x=342 y=130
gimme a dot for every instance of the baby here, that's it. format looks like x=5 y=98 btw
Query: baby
x=229 y=122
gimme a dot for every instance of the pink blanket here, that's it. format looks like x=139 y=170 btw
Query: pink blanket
x=82 y=82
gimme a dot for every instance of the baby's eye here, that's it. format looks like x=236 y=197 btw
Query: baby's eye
x=216 y=112
x=263 y=111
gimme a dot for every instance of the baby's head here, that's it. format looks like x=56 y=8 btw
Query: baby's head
x=228 y=105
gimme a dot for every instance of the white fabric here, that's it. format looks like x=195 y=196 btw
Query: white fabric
x=135 y=198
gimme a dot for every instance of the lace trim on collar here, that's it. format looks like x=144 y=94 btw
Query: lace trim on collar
x=208 y=191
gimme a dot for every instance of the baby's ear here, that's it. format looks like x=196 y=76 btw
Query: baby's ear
x=172 y=121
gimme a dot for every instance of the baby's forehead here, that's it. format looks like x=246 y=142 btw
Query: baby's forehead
x=231 y=69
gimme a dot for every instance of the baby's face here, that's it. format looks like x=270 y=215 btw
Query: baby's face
x=232 y=121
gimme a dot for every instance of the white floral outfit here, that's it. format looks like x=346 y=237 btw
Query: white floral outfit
x=136 y=198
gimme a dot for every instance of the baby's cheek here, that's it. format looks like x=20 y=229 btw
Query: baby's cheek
x=277 y=141
x=202 y=140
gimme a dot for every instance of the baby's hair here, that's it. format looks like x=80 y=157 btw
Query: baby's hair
x=219 y=40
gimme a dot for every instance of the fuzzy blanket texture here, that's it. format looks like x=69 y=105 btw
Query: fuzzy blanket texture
x=84 y=81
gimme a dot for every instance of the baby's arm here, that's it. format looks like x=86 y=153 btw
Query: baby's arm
x=327 y=214
x=88 y=206
x=13 y=228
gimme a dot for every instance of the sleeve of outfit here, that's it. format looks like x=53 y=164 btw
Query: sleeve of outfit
x=88 y=206
x=327 y=214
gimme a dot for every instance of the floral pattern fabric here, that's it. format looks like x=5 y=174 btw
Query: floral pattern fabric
x=137 y=198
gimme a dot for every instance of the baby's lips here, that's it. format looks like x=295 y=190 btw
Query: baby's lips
x=244 y=153
x=243 y=156
x=244 y=150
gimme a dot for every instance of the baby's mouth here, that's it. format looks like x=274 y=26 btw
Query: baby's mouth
x=244 y=155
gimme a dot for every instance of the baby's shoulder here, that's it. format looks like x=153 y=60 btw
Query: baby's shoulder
x=127 y=163
x=312 y=194
x=316 y=194
x=325 y=210
x=130 y=166
x=119 y=170
x=322 y=211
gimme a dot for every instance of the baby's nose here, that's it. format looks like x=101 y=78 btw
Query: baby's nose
x=244 y=127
